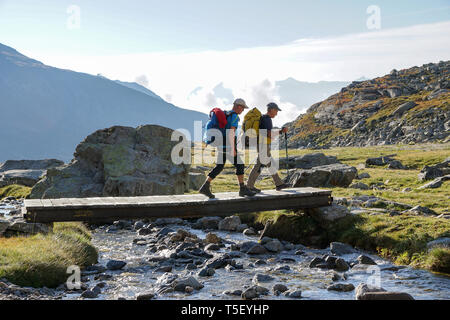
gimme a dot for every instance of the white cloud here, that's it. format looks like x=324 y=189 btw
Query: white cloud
x=244 y=70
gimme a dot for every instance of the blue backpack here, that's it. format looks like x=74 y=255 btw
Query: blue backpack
x=218 y=119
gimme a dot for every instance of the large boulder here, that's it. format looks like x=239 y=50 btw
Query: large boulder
x=25 y=172
x=118 y=161
x=308 y=161
x=30 y=164
x=325 y=215
x=333 y=175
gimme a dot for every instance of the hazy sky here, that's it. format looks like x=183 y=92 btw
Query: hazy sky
x=178 y=46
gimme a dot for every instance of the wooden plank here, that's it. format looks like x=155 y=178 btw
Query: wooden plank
x=97 y=209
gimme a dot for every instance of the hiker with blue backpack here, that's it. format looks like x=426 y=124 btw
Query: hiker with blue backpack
x=225 y=124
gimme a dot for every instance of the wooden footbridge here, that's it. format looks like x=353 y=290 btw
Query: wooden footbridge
x=188 y=205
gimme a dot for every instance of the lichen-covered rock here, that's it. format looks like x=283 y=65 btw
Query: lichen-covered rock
x=308 y=161
x=333 y=175
x=118 y=161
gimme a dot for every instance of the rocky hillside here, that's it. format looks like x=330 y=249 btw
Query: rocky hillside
x=406 y=106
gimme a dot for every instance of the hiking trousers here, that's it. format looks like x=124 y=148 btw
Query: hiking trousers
x=222 y=157
x=256 y=171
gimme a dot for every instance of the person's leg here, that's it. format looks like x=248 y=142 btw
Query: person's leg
x=254 y=174
x=279 y=184
x=206 y=187
x=240 y=168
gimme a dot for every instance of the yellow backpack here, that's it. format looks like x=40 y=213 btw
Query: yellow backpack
x=251 y=121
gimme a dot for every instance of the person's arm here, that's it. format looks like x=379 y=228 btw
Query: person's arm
x=231 y=134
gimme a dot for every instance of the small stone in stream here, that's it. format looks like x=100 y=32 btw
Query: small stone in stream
x=257 y=249
x=138 y=225
x=164 y=269
x=299 y=252
x=246 y=245
x=111 y=229
x=293 y=294
x=261 y=290
x=145 y=296
x=249 y=294
x=331 y=261
x=279 y=287
x=262 y=278
x=344 y=287
x=260 y=262
x=316 y=261
x=164 y=232
x=283 y=269
x=103 y=277
x=90 y=294
x=249 y=232
x=274 y=246
x=218 y=262
x=212 y=238
x=338 y=277
x=181 y=284
x=115 y=265
x=233 y=293
x=241 y=227
x=189 y=289
x=341 y=248
x=386 y=296
x=229 y=268
x=144 y=231
x=191 y=266
x=341 y=265
x=212 y=247
x=206 y=272
x=364 y=288
x=362 y=259
x=230 y=223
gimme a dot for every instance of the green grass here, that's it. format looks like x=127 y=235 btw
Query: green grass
x=14 y=190
x=42 y=260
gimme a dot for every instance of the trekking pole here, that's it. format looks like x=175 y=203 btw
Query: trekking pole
x=287 y=156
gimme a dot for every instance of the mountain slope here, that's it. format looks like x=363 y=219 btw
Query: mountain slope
x=407 y=106
x=138 y=87
x=47 y=111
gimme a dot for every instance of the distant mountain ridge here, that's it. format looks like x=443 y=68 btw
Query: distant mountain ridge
x=47 y=111
x=406 y=106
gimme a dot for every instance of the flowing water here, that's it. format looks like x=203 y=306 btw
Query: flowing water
x=138 y=275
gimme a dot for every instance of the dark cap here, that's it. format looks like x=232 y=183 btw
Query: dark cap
x=273 y=105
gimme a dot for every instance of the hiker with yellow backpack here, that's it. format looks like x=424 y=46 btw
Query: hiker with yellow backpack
x=254 y=120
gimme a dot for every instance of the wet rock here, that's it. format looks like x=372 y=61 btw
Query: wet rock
x=208 y=223
x=249 y=294
x=249 y=232
x=315 y=262
x=260 y=262
x=212 y=247
x=164 y=231
x=144 y=231
x=241 y=227
x=338 y=277
x=341 y=265
x=212 y=238
x=364 y=288
x=138 y=225
x=293 y=294
x=233 y=293
x=90 y=294
x=257 y=249
x=230 y=223
x=341 y=248
x=262 y=278
x=206 y=272
x=115 y=264
x=386 y=296
x=274 y=245
x=362 y=259
x=279 y=287
x=344 y=287
x=218 y=262
x=181 y=284
x=164 y=269
x=145 y=296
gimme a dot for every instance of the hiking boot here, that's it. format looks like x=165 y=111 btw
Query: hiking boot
x=255 y=190
x=282 y=186
x=205 y=189
x=244 y=191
